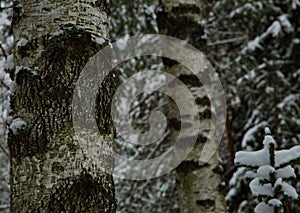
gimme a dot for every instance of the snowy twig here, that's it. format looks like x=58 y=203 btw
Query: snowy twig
x=4 y=150
x=158 y=144
x=2 y=83
x=3 y=51
x=144 y=99
x=226 y=41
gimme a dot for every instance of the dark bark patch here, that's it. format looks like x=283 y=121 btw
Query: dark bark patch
x=103 y=105
x=17 y=11
x=187 y=167
x=169 y=62
x=185 y=8
x=206 y=204
x=57 y=167
x=206 y=114
x=21 y=144
x=201 y=139
x=175 y=123
x=180 y=22
x=191 y=80
x=202 y=101
x=26 y=74
x=84 y=194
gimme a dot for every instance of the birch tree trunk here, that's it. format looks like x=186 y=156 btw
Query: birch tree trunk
x=51 y=169
x=197 y=183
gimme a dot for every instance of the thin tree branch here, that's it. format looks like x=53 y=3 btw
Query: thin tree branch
x=4 y=150
x=2 y=83
x=226 y=41
x=3 y=51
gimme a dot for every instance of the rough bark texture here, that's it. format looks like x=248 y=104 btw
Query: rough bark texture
x=52 y=170
x=197 y=183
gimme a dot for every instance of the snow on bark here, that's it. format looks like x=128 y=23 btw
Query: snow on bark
x=17 y=124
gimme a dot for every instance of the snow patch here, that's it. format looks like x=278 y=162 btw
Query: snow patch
x=287 y=189
x=286 y=172
x=265 y=171
x=260 y=189
x=99 y=41
x=122 y=43
x=262 y=207
x=252 y=159
x=17 y=124
x=274 y=29
x=275 y=202
x=249 y=135
x=286 y=24
x=295 y=4
x=268 y=141
x=253 y=45
x=22 y=42
x=283 y=157
x=9 y=64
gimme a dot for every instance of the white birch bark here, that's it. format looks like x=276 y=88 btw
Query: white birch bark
x=197 y=183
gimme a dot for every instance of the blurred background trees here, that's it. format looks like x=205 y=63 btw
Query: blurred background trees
x=260 y=73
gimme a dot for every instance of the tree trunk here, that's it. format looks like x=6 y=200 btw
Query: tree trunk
x=52 y=170
x=197 y=183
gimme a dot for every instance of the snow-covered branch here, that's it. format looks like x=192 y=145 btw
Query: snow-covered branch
x=271 y=171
